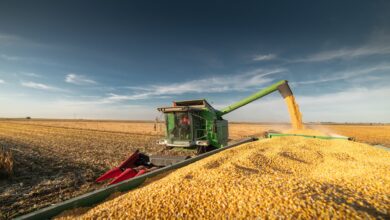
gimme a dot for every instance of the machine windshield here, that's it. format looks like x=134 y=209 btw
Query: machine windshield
x=179 y=126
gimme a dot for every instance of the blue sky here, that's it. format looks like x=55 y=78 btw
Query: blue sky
x=122 y=60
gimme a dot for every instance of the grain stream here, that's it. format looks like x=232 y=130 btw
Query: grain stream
x=293 y=110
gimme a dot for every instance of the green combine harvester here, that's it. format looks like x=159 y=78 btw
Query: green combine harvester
x=195 y=123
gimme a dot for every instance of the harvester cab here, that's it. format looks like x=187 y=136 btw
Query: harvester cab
x=195 y=123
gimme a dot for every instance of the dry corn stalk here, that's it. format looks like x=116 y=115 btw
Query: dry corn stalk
x=6 y=162
x=287 y=177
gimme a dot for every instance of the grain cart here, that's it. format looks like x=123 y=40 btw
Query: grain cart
x=195 y=123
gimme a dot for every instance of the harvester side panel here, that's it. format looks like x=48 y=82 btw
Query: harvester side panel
x=210 y=117
x=222 y=132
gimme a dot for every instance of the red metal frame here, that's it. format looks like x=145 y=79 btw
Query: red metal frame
x=126 y=170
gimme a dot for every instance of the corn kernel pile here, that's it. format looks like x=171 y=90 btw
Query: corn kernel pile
x=293 y=110
x=287 y=177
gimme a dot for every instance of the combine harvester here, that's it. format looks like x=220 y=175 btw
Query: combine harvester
x=189 y=124
x=193 y=124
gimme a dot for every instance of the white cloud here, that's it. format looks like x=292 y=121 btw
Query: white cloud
x=40 y=86
x=240 y=82
x=78 y=79
x=346 y=74
x=114 y=97
x=12 y=40
x=264 y=57
x=378 y=44
x=12 y=58
x=31 y=74
x=15 y=107
x=346 y=53
x=217 y=84
x=4 y=37
x=7 y=39
x=2 y=81
x=9 y=58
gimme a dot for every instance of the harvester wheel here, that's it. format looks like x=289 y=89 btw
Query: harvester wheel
x=204 y=149
x=201 y=149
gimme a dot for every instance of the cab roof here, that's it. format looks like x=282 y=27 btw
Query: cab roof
x=193 y=103
x=188 y=105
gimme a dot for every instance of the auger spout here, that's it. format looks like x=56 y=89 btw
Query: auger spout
x=282 y=86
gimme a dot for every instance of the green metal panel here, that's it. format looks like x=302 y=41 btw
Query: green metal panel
x=222 y=132
x=170 y=121
x=271 y=135
x=252 y=97
x=97 y=196
x=210 y=117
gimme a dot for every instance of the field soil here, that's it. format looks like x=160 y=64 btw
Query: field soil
x=55 y=160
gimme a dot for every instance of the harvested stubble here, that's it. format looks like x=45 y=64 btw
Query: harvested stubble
x=287 y=177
